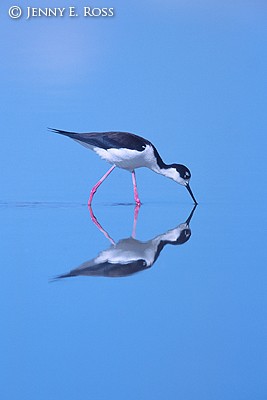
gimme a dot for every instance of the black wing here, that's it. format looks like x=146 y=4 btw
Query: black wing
x=108 y=269
x=107 y=140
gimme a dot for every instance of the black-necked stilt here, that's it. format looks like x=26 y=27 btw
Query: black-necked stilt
x=130 y=255
x=128 y=151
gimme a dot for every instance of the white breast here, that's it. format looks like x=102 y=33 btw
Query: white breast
x=129 y=159
x=128 y=250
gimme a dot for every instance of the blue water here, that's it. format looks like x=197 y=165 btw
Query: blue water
x=191 y=324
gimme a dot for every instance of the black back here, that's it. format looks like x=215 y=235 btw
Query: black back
x=108 y=269
x=108 y=140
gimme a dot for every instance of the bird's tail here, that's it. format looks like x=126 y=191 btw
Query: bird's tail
x=67 y=275
x=61 y=132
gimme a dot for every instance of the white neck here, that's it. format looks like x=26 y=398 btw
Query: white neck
x=170 y=173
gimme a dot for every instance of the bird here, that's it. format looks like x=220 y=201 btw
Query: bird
x=128 y=151
x=129 y=256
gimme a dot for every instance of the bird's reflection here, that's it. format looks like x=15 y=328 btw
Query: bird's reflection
x=128 y=256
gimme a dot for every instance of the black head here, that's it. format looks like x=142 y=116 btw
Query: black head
x=183 y=171
x=184 y=236
x=184 y=174
x=181 y=174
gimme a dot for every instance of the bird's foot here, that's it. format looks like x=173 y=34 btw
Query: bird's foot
x=89 y=203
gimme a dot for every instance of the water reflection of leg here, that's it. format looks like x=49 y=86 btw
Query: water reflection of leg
x=95 y=221
x=136 y=211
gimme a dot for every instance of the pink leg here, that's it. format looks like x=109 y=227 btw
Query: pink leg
x=95 y=221
x=136 y=211
x=98 y=184
x=136 y=197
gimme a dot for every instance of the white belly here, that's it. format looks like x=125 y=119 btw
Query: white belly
x=128 y=159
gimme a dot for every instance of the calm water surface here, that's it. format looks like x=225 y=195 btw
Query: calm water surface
x=192 y=326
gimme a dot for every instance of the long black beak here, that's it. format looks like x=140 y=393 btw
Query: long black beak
x=191 y=215
x=191 y=193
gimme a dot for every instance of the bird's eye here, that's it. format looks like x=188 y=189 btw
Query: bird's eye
x=186 y=175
